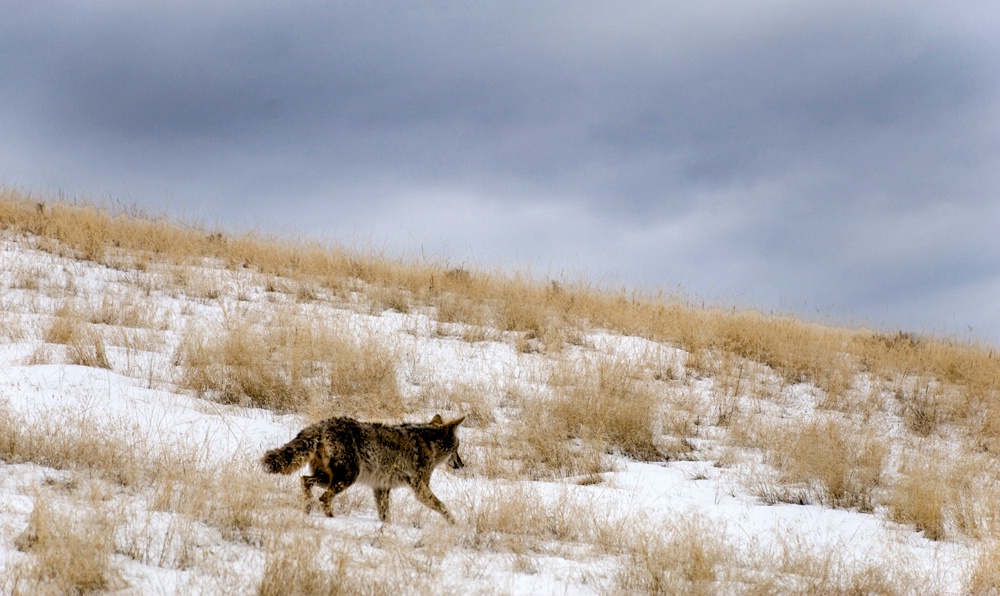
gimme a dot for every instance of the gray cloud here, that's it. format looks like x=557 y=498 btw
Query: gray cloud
x=838 y=158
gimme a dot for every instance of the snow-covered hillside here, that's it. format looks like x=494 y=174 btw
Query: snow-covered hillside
x=113 y=468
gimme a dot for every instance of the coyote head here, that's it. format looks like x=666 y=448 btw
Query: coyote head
x=455 y=461
x=450 y=442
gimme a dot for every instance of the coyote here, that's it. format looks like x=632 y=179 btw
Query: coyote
x=342 y=451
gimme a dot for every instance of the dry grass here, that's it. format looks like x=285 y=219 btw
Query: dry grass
x=946 y=494
x=935 y=381
x=545 y=446
x=798 y=568
x=829 y=462
x=920 y=499
x=86 y=348
x=609 y=402
x=291 y=363
x=239 y=366
x=64 y=326
x=300 y=566
x=522 y=519
x=25 y=278
x=362 y=380
x=453 y=308
x=647 y=407
x=595 y=408
x=241 y=511
x=687 y=558
x=147 y=539
x=76 y=445
x=387 y=298
x=985 y=577
x=12 y=328
x=798 y=351
x=848 y=470
x=472 y=401
x=71 y=553
x=547 y=312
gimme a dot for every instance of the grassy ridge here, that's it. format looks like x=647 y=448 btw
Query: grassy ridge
x=898 y=424
x=545 y=314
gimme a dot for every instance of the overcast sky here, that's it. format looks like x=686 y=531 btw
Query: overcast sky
x=835 y=159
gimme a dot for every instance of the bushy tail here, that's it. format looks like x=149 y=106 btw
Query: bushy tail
x=289 y=457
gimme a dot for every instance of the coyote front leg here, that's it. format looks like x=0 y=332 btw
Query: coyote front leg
x=422 y=490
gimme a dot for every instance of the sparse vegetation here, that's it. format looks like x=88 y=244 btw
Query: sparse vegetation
x=843 y=466
x=903 y=427
x=607 y=403
x=686 y=558
x=919 y=498
x=72 y=553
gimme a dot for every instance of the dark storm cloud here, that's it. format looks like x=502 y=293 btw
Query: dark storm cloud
x=840 y=157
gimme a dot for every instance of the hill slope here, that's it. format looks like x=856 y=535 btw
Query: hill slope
x=614 y=443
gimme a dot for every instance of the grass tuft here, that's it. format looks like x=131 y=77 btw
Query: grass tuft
x=920 y=498
x=71 y=554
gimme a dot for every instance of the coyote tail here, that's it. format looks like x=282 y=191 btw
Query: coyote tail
x=289 y=457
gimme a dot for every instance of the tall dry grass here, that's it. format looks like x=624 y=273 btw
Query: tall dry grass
x=589 y=411
x=71 y=553
x=609 y=403
x=948 y=494
x=831 y=462
x=519 y=518
x=985 y=578
x=920 y=498
x=302 y=566
x=291 y=362
x=690 y=556
x=76 y=445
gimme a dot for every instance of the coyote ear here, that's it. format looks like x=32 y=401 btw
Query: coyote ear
x=455 y=423
x=437 y=419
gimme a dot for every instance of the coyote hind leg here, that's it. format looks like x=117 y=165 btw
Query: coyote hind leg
x=382 y=503
x=342 y=475
x=317 y=478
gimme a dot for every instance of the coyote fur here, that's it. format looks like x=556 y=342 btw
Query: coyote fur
x=342 y=451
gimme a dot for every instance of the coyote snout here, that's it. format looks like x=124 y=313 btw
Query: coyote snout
x=342 y=451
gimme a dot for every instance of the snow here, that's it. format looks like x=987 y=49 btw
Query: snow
x=136 y=403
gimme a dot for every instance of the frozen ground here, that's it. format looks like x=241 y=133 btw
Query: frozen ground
x=137 y=403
